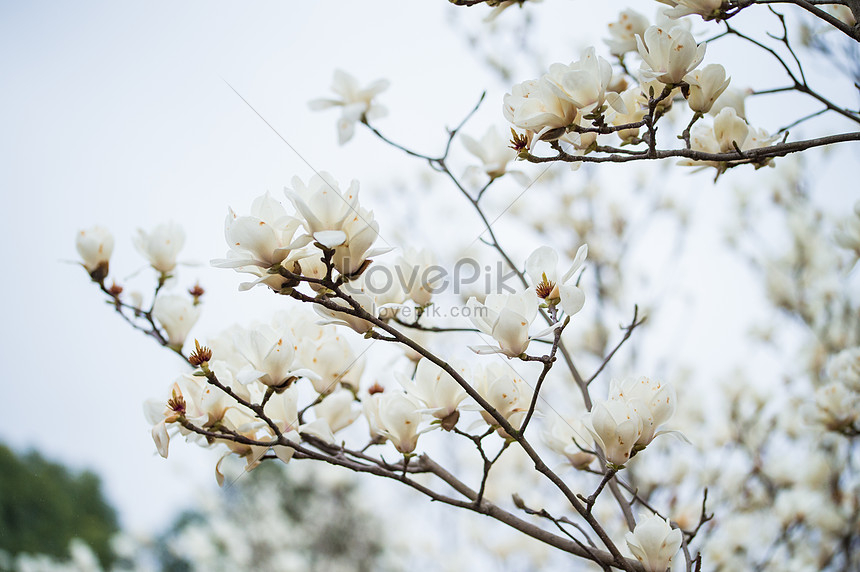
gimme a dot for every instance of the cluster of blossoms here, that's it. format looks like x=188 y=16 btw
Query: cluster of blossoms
x=176 y=314
x=575 y=105
x=627 y=422
x=837 y=403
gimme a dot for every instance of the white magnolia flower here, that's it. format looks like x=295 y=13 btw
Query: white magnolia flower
x=494 y=151
x=332 y=358
x=161 y=413
x=337 y=410
x=623 y=32
x=356 y=102
x=655 y=402
x=669 y=54
x=550 y=285
x=584 y=82
x=436 y=389
x=262 y=241
x=399 y=416
x=505 y=317
x=567 y=437
x=706 y=85
x=418 y=275
x=177 y=315
x=708 y=9
x=334 y=219
x=616 y=427
x=161 y=246
x=505 y=391
x=727 y=131
x=536 y=106
x=654 y=543
x=734 y=98
x=95 y=245
x=268 y=355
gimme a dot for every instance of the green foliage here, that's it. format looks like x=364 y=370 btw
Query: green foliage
x=44 y=505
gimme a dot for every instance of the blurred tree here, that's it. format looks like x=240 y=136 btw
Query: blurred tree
x=44 y=505
x=277 y=518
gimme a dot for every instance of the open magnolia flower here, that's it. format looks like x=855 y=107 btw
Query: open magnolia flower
x=669 y=54
x=269 y=357
x=536 y=106
x=495 y=153
x=161 y=246
x=336 y=221
x=550 y=285
x=437 y=390
x=505 y=317
x=262 y=241
x=356 y=103
x=584 y=83
x=623 y=32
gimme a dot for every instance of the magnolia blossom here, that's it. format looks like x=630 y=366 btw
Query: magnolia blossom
x=727 y=132
x=616 y=427
x=544 y=277
x=332 y=359
x=437 y=389
x=336 y=221
x=95 y=245
x=536 y=106
x=584 y=82
x=734 y=98
x=706 y=85
x=418 y=274
x=730 y=131
x=337 y=410
x=505 y=317
x=161 y=413
x=669 y=54
x=262 y=241
x=654 y=543
x=708 y=9
x=623 y=32
x=356 y=102
x=161 y=246
x=268 y=357
x=567 y=437
x=399 y=417
x=635 y=103
x=655 y=402
x=494 y=151
x=177 y=315
x=506 y=392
